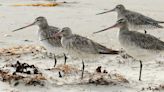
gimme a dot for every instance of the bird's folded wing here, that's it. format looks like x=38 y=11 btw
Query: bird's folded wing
x=139 y=19
x=49 y=33
x=146 y=41
x=89 y=46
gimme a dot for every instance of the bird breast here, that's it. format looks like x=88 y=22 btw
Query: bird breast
x=52 y=45
x=66 y=43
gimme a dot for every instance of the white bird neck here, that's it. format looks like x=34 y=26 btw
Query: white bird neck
x=123 y=29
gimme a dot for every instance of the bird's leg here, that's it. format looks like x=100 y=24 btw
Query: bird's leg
x=145 y=31
x=140 y=70
x=83 y=67
x=55 y=60
x=65 y=58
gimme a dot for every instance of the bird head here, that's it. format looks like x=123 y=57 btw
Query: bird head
x=118 y=8
x=65 y=32
x=40 y=21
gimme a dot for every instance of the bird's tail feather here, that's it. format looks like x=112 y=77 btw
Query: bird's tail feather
x=159 y=26
x=160 y=21
x=110 y=52
x=104 y=50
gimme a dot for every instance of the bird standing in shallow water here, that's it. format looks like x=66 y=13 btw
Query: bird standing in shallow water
x=136 y=21
x=141 y=46
x=45 y=31
x=82 y=47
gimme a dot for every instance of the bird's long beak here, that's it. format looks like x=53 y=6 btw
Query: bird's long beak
x=115 y=25
x=106 y=12
x=24 y=27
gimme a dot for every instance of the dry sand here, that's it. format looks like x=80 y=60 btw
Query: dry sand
x=80 y=17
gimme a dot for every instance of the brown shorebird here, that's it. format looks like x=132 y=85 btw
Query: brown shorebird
x=136 y=21
x=141 y=46
x=53 y=45
x=82 y=47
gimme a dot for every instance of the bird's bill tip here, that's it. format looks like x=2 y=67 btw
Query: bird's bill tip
x=106 y=12
x=24 y=27
x=98 y=31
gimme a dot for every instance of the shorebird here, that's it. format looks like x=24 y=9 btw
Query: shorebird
x=82 y=47
x=136 y=21
x=139 y=45
x=45 y=31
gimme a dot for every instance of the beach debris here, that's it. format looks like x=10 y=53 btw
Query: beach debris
x=18 y=51
x=159 y=62
x=100 y=81
x=161 y=86
x=24 y=68
x=126 y=56
x=105 y=71
x=119 y=78
x=22 y=73
x=105 y=78
x=66 y=69
x=98 y=69
x=155 y=88
x=68 y=74
x=21 y=51
x=39 y=4
x=50 y=4
x=18 y=72
x=28 y=40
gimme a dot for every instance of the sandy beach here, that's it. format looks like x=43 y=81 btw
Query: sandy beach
x=80 y=16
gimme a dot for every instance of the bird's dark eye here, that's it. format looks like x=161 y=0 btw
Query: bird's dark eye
x=119 y=6
x=121 y=21
x=37 y=19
